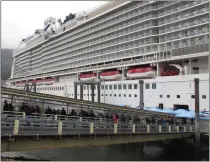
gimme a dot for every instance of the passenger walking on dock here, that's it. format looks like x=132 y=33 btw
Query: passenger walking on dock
x=6 y=106
x=48 y=111
x=115 y=118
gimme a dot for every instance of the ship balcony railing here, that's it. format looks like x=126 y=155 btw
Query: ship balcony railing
x=190 y=50
x=83 y=35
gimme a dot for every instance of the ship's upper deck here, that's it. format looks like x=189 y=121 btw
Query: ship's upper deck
x=118 y=34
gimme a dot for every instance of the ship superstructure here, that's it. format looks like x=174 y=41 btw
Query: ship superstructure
x=163 y=42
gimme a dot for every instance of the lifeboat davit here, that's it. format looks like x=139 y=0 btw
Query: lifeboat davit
x=86 y=77
x=142 y=72
x=110 y=75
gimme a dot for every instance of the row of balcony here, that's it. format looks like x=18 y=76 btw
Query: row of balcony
x=185 y=24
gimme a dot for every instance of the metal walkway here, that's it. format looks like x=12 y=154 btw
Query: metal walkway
x=21 y=133
x=76 y=102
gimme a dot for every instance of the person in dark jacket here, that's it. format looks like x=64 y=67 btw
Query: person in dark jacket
x=6 y=106
x=48 y=111
x=73 y=113
x=10 y=107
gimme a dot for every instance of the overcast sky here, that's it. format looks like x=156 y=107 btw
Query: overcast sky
x=21 y=19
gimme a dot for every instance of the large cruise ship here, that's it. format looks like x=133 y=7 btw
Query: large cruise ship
x=164 y=43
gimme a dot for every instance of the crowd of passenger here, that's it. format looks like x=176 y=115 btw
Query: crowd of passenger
x=123 y=118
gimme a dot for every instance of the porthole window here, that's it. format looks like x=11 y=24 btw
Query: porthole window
x=119 y=95
x=115 y=95
x=110 y=86
x=102 y=95
x=130 y=86
x=161 y=96
x=119 y=86
x=192 y=96
x=177 y=96
x=106 y=94
x=147 y=86
x=115 y=86
x=203 y=96
x=110 y=94
x=135 y=86
x=135 y=95
x=124 y=86
x=153 y=85
x=124 y=95
x=129 y=95
x=84 y=94
x=168 y=96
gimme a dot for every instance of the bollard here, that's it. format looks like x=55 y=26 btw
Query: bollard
x=185 y=129
x=190 y=128
x=169 y=129
x=80 y=118
x=177 y=128
x=160 y=128
x=16 y=127
x=115 y=128
x=148 y=128
x=134 y=128
x=91 y=128
x=60 y=125
x=24 y=115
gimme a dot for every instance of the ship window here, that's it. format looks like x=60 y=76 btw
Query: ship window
x=102 y=95
x=110 y=86
x=130 y=86
x=62 y=88
x=147 y=86
x=129 y=95
x=203 y=96
x=88 y=94
x=78 y=94
x=161 y=96
x=135 y=95
x=119 y=95
x=119 y=86
x=153 y=85
x=192 y=96
x=177 y=96
x=124 y=86
x=84 y=87
x=168 y=96
x=110 y=94
x=106 y=86
x=115 y=95
x=84 y=94
x=106 y=94
x=102 y=87
x=135 y=86
x=94 y=94
x=124 y=95
x=115 y=86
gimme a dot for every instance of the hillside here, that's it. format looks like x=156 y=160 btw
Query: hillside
x=6 y=63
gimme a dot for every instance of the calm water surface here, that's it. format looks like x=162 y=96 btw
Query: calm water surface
x=125 y=152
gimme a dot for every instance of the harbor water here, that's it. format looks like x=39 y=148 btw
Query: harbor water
x=175 y=151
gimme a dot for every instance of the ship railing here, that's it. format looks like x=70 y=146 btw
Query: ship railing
x=39 y=127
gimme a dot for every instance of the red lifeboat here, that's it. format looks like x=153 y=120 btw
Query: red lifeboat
x=90 y=76
x=47 y=80
x=110 y=75
x=142 y=72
